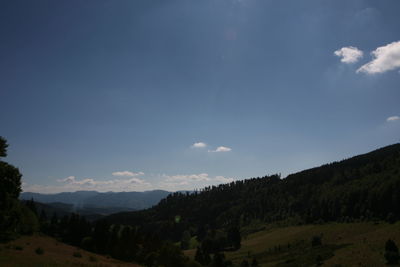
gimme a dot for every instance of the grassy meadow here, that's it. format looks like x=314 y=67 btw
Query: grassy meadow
x=342 y=244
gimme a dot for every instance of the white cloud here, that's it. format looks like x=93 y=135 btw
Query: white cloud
x=166 y=182
x=385 y=58
x=191 y=181
x=393 y=118
x=69 y=179
x=349 y=54
x=221 y=149
x=127 y=174
x=223 y=179
x=186 y=178
x=199 y=145
x=101 y=183
x=70 y=184
x=72 y=181
x=87 y=181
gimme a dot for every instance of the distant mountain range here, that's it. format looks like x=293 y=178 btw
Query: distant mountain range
x=63 y=209
x=102 y=203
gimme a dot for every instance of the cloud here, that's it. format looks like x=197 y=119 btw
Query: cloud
x=69 y=179
x=221 y=149
x=70 y=184
x=87 y=181
x=166 y=182
x=349 y=54
x=393 y=118
x=196 y=178
x=191 y=181
x=385 y=58
x=186 y=178
x=199 y=145
x=127 y=174
x=223 y=179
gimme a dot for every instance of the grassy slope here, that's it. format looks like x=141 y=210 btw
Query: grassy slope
x=55 y=254
x=352 y=244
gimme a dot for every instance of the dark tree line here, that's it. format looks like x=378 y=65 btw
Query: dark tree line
x=121 y=242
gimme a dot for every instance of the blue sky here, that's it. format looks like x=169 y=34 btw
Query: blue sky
x=140 y=95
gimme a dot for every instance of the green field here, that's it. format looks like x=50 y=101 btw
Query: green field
x=350 y=244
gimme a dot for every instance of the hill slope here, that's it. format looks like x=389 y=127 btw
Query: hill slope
x=343 y=244
x=364 y=187
x=21 y=252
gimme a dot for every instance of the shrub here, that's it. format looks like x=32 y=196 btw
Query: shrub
x=92 y=259
x=244 y=263
x=87 y=243
x=254 y=263
x=318 y=260
x=391 y=218
x=77 y=254
x=391 y=252
x=18 y=248
x=316 y=241
x=39 y=251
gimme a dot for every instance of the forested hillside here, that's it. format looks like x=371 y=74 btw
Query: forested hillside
x=364 y=187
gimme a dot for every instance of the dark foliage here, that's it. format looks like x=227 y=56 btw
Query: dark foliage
x=119 y=241
x=10 y=180
x=39 y=251
x=3 y=147
x=244 y=263
x=391 y=252
x=316 y=241
x=15 y=218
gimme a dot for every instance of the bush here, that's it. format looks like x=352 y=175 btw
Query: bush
x=39 y=251
x=92 y=259
x=244 y=263
x=254 y=263
x=18 y=248
x=87 y=243
x=391 y=252
x=77 y=254
x=316 y=241
x=391 y=218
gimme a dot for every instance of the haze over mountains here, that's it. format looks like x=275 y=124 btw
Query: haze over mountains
x=106 y=202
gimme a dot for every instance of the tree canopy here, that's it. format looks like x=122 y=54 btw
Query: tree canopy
x=3 y=147
x=10 y=177
x=15 y=218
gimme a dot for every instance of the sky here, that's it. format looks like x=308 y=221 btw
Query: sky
x=182 y=94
